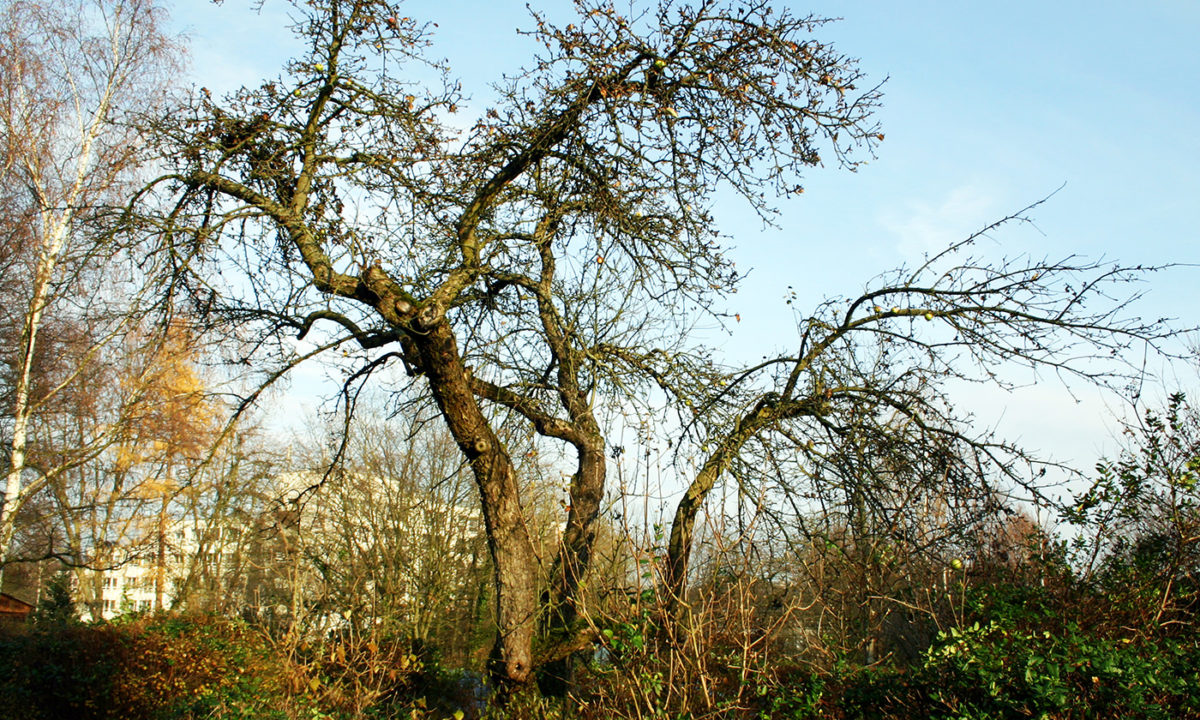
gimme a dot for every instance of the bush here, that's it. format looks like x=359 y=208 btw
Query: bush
x=998 y=670
x=155 y=667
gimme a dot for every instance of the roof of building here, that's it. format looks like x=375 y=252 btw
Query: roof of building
x=12 y=606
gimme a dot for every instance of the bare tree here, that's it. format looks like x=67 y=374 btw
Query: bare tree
x=509 y=264
x=401 y=519
x=222 y=510
x=859 y=426
x=70 y=70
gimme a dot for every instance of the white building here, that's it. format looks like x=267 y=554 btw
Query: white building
x=133 y=585
x=281 y=558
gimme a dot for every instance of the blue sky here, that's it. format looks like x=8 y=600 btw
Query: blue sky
x=988 y=107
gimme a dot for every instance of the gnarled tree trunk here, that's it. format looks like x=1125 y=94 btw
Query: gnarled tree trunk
x=512 y=552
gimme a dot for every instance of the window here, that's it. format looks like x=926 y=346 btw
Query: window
x=111 y=582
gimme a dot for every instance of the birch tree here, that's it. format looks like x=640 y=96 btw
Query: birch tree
x=72 y=70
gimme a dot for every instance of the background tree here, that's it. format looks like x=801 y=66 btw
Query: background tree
x=221 y=510
x=399 y=516
x=170 y=432
x=70 y=70
x=112 y=505
x=505 y=265
x=1140 y=519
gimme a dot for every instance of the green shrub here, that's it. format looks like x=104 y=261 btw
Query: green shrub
x=1000 y=670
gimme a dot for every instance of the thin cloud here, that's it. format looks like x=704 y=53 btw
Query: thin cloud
x=924 y=228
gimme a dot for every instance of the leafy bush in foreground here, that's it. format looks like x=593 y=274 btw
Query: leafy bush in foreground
x=155 y=667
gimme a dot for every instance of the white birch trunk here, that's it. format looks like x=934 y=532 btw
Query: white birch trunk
x=55 y=233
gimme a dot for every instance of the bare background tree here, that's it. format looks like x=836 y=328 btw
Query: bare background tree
x=72 y=71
